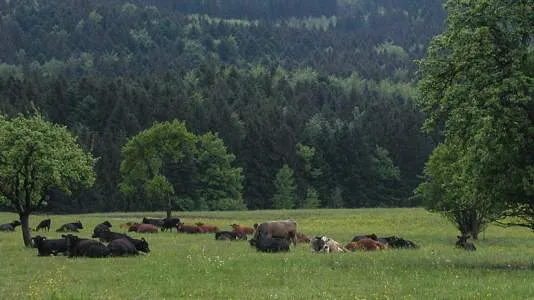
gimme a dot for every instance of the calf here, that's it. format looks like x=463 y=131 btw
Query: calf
x=44 y=224
x=85 y=247
x=230 y=235
x=268 y=244
x=464 y=244
x=169 y=223
x=105 y=226
x=325 y=244
x=70 y=227
x=122 y=247
x=46 y=247
x=10 y=226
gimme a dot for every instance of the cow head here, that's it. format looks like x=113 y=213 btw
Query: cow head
x=38 y=240
x=143 y=246
x=108 y=224
x=319 y=243
x=78 y=225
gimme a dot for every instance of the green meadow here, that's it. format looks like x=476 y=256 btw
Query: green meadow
x=198 y=267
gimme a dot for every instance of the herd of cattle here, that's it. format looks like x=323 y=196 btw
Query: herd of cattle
x=271 y=236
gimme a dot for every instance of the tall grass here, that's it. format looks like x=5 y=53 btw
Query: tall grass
x=198 y=267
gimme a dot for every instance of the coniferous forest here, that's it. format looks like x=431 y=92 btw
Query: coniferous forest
x=322 y=88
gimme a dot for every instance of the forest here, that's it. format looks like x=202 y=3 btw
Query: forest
x=326 y=88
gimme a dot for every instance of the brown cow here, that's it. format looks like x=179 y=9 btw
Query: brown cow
x=142 y=228
x=282 y=229
x=368 y=244
x=242 y=229
x=207 y=228
x=302 y=238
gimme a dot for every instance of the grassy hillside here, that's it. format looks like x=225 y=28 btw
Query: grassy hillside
x=198 y=267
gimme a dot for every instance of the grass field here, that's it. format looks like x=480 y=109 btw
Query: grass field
x=196 y=266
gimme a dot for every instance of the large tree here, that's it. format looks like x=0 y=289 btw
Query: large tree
x=477 y=92
x=166 y=165
x=35 y=157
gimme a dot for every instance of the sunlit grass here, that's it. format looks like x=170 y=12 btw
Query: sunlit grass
x=197 y=266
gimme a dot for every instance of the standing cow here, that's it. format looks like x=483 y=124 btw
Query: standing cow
x=286 y=229
x=44 y=225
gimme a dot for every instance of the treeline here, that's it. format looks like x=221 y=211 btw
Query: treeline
x=335 y=105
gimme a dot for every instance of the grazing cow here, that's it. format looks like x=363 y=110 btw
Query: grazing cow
x=85 y=247
x=188 y=228
x=367 y=236
x=143 y=228
x=367 y=244
x=44 y=224
x=105 y=226
x=108 y=236
x=282 y=229
x=10 y=226
x=208 y=228
x=269 y=244
x=169 y=223
x=122 y=247
x=464 y=244
x=396 y=242
x=46 y=247
x=242 y=229
x=70 y=227
x=152 y=221
x=230 y=235
x=327 y=245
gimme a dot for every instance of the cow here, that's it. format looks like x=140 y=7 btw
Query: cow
x=367 y=244
x=70 y=227
x=327 y=245
x=85 y=247
x=188 y=228
x=464 y=244
x=396 y=242
x=122 y=247
x=127 y=225
x=270 y=244
x=108 y=236
x=143 y=228
x=242 y=229
x=10 y=226
x=208 y=228
x=367 y=236
x=152 y=221
x=169 y=223
x=44 y=224
x=46 y=247
x=230 y=235
x=302 y=238
x=140 y=245
x=281 y=229
x=105 y=226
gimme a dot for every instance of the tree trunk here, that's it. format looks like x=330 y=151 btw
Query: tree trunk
x=25 y=225
x=169 y=208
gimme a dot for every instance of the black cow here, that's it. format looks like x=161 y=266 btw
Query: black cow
x=108 y=236
x=169 y=223
x=464 y=244
x=122 y=247
x=140 y=245
x=10 y=226
x=105 y=226
x=44 y=224
x=46 y=247
x=268 y=244
x=85 y=247
x=155 y=222
x=396 y=242
x=230 y=235
x=70 y=227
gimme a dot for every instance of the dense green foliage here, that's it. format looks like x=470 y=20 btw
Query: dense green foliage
x=196 y=266
x=478 y=92
x=168 y=165
x=338 y=81
x=35 y=157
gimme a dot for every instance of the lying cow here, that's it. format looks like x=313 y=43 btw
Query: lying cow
x=230 y=235
x=325 y=244
x=367 y=236
x=464 y=244
x=10 y=226
x=207 y=228
x=367 y=244
x=181 y=227
x=268 y=244
x=242 y=229
x=44 y=225
x=281 y=229
x=47 y=247
x=122 y=247
x=396 y=242
x=108 y=236
x=153 y=221
x=85 y=247
x=169 y=223
x=143 y=228
x=105 y=226
x=70 y=227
